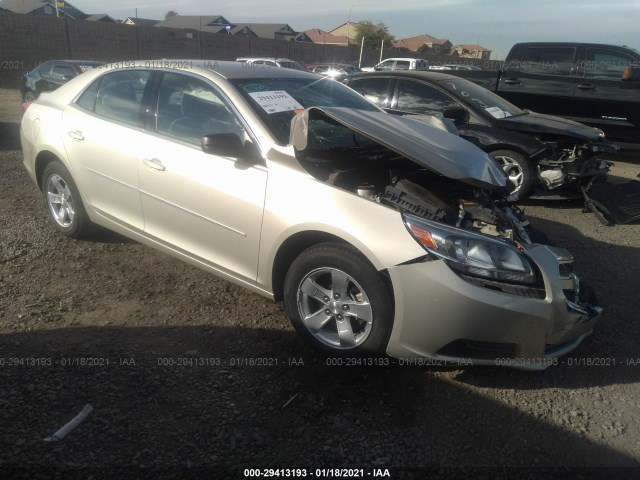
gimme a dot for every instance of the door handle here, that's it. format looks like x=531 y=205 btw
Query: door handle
x=154 y=164
x=586 y=86
x=77 y=135
x=512 y=81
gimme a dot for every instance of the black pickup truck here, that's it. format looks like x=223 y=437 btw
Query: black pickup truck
x=590 y=83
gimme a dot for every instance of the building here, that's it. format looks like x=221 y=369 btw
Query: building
x=42 y=7
x=315 y=35
x=424 y=44
x=277 y=31
x=347 y=29
x=147 y=22
x=198 y=23
x=471 y=51
x=101 y=17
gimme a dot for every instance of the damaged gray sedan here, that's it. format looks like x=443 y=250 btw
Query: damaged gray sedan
x=382 y=234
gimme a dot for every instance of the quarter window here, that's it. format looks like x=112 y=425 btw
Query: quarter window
x=189 y=108
x=418 y=97
x=120 y=95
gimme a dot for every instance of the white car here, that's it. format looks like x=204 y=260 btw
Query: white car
x=382 y=234
x=399 y=64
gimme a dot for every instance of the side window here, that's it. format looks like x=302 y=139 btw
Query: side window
x=189 y=108
x=386 y=65
x=60 y=71
x=321 y=69
x=45 y=70
x=605 y=64
x=548 y=60
x=375 y=90
x=120 y=95
x=418 y=97
x=403 y=65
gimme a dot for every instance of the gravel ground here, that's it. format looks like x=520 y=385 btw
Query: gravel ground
x=159 y=350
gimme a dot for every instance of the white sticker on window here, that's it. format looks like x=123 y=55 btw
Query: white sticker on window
x=276 y=101
x=496 y=112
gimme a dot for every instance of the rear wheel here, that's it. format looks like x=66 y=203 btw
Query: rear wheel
x=64 y=205
x=519 y=170
x=30 y=96
x=337 y=301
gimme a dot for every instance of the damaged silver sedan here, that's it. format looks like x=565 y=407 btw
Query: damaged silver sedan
x=382 y=234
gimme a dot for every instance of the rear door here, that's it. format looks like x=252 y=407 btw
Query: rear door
x=102 y=137
x=603 y=99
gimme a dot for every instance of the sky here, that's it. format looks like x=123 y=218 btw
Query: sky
x=495 y=24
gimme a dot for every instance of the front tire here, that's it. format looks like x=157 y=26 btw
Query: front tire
x=519 y=170
x=337 y=301
x=64 y=205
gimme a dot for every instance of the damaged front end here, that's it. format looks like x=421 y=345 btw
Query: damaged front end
x=571 y=165
x=409 y=165
x=501 y=292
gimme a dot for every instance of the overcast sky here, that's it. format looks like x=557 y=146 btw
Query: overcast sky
x=495 y=24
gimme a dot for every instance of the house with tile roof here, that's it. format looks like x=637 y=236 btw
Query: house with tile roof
x=198 y=23
x=147 y=22
x=471 y=51
x=424 y=44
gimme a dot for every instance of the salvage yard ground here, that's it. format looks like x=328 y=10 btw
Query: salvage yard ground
x=188 y=374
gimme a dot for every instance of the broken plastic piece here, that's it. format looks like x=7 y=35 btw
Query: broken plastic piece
x=73 y=423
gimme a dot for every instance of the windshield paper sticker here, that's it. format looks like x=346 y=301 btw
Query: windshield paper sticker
x=276 y=101
x=497 y=112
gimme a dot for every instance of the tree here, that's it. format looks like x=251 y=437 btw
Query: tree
x=373 y=33
x=170 y=13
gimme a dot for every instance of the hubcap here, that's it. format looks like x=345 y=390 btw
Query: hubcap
x=334 y=308
x=513 y=171
x=60 y=201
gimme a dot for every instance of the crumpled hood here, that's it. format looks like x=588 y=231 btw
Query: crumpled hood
x=539 y=123
x=431 y=147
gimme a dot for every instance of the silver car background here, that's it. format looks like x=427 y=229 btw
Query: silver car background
x=382 y=234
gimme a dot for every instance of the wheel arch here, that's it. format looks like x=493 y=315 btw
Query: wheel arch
x=43 y=159
x=297 y=243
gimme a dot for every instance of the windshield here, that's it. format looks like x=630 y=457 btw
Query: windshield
x=277 y=100
x=481 y=98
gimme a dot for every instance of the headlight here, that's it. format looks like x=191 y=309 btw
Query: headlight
x=471 y=253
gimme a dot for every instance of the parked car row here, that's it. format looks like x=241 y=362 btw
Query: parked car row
x=541 y=154
x=300 y=189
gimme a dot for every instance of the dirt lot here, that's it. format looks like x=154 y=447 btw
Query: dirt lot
x=160 y=351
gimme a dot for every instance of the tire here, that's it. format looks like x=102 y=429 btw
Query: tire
x=519 y=170
x=62 y=200
x=30 y=96
x=347 y=306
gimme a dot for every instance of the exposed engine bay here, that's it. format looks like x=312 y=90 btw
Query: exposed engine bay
x=382 y=175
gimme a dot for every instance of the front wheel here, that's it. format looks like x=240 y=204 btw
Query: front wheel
x=337 y=301
x=519 y=171
x=64 y=205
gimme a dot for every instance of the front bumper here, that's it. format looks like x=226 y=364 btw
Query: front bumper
x=439 y=315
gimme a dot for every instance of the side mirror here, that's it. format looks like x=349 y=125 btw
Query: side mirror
x=631 y=74
x=457 y=114
x=223 y=144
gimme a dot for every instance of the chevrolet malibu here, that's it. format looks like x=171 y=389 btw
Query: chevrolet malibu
x=382 y=234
